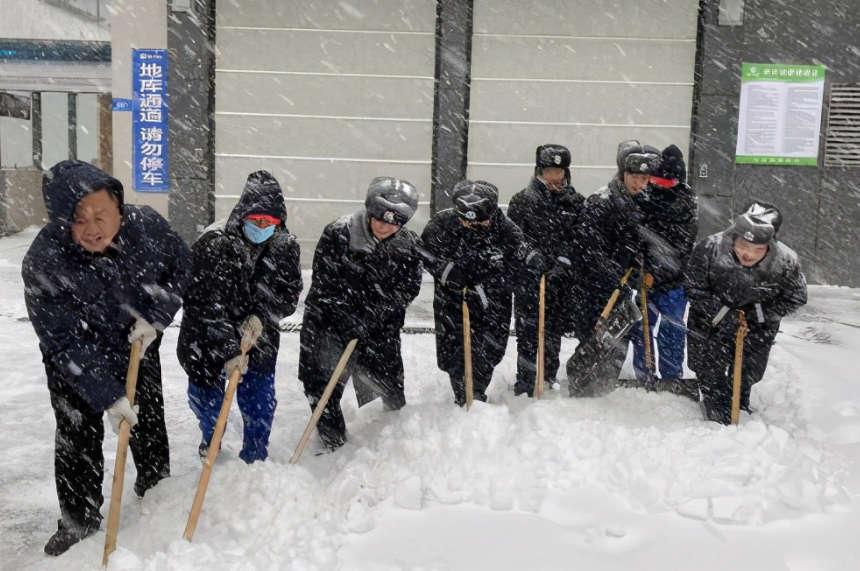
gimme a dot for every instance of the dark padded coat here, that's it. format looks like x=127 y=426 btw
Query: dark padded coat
x=232 y=279
x=492 y=258
x=766 y=292
x=670 y=225
x=360 y=290
x=549 y=221
x=608 y=244
x=83 y=305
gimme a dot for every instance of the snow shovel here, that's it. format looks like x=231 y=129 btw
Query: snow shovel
x=739 y=365
x=329 y=388
x=467 y=353
x=214 y=447
x=121 y=455
x=539 y=372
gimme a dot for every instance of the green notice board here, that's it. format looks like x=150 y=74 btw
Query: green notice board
x=779 y=122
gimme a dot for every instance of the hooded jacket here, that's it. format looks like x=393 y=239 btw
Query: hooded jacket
x=232 y=278
x=81 y=304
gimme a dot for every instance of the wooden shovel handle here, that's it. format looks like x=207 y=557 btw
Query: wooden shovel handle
x=121 y=455
x=315 y=417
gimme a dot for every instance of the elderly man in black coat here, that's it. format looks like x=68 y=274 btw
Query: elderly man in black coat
x=479 y=252
x=366 y=272
x=547 y=211
x=99 y=276
x=245 y=279
x=744 y=268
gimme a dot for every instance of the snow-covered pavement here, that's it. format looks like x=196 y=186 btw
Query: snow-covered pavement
x=630 y=481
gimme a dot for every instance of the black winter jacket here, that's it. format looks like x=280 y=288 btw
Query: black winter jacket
x=492 y=258
x=670 y=224
x=82 y=305
x=547 y=218
x=232 y=279
x=715 y=278
x=362 y=286
x=609 y=240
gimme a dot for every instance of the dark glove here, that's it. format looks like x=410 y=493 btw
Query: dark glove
x=356 y=330
x=537 y=263
x=725 y=323
x=454 y=276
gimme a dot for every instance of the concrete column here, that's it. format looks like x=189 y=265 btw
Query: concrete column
x=135 y=24
x=451 y=105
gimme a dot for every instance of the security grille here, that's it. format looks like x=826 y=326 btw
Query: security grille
x=842 y=147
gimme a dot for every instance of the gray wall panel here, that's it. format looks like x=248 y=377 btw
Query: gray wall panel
x=619 y=18
x=318 y=179
x=557 y=71
x=600 y=59
x=589 y=146
x=331 y=96
x=581 y=103
x=415 y=15
x=313 y=51
x=326 y=138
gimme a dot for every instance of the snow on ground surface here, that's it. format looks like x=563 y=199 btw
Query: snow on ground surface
x=629 y=481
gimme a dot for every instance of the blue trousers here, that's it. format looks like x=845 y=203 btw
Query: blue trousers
x=671 y=337
x=257 y=403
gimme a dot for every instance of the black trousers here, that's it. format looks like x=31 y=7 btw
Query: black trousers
x=376 y=368
x=79 y=437
x=712 y=357
x=557 y=321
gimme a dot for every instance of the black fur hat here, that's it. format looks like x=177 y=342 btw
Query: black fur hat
x=552 y=155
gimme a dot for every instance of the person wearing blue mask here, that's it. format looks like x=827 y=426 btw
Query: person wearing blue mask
x=245 y=279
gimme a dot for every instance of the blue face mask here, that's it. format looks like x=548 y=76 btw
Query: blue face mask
x=258 y=235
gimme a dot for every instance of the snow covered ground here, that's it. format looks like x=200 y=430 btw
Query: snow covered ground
x=629 y=481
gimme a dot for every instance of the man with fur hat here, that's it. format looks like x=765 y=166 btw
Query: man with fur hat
x=669 y=227
x=547 y=211
x=99 y=276
x=609 y=240
x=366 y=272
x=479 y=253
x=245 y=279
x=741 y=269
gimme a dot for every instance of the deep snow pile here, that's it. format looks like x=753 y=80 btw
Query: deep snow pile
x=650 y=453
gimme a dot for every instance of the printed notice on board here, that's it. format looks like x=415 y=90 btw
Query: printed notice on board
x=780 y=114
x=149 y=120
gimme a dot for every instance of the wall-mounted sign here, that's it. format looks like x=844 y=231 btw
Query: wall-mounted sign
x=120 y=104
x=149 y=120
x=780 y=114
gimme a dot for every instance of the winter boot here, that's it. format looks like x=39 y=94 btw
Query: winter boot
x=144 y=482
x=67 y=535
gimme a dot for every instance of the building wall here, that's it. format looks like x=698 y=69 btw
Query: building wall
x=821 y=204
x=587 y=74
x=326 y=97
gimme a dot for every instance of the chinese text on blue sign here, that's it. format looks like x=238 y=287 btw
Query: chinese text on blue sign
x=149 y=120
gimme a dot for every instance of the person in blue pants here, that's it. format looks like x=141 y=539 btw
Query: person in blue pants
x=669 y=226
x=245 y=279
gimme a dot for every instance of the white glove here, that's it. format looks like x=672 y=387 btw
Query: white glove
x=144 y=331
x=240 y=362
x=122 y=410
x=251 y=330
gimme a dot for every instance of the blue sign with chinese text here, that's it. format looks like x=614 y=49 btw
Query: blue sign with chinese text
x=121 y=104
x=149 y=120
